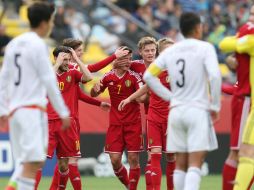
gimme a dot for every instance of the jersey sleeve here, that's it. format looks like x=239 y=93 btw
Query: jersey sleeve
x=47 y=76
x=85 y=98
x=4 y=80
x=228 y=44
x=104 y=82
x=101 y=64
x=245 y=44
x=214 y=77
x=138 y=81
x=77 y=75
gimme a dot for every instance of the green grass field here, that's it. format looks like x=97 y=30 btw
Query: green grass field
x=212 y=182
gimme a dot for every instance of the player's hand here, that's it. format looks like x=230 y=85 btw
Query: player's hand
x=65 y=123
x=105 y=106
x=215 y=116
x=74 y=55
x=120 y=62
x=120 y=52
x=4 y=121
x=97 y=87
x=123 y=103
x=60 y=58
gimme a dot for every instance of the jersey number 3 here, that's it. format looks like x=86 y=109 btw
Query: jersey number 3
x=17 y=82
x=180 y=83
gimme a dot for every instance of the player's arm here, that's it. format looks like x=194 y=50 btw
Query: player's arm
x=87 y=76
x=136 y=96
x=47 y=76
x=228 y=44
x=151 y=79
x=120 y=52
x=214 y=77
x=245 y=44
x=85 y=98
x=4 y=79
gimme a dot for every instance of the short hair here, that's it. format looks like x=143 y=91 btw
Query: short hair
x=127 y=48
x=188 y=22
x=145 y=41
x=161 y=42
x=39 y=12
x=72 y=43
x=60 y=49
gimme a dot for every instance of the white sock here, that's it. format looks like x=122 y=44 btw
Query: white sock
x=192 y=179
x=178 y=178
x=17 y=172
x=25 y=183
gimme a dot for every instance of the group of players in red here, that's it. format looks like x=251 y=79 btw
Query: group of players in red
x=127 y=91
x=125 y=129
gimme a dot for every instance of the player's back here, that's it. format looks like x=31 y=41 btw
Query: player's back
x=23 y=56
x=188 y=65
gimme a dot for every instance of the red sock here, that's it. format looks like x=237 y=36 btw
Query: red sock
x=74 y=176
x=149 y=185
x=251 y=183
x=37 y=179
x=134 y=178
x=228 y=174
x=122 y=175
x=54 y=183
x=62 y=179
x=169 y=174
x=156 y=170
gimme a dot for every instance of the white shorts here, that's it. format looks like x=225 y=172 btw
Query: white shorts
x=29 y=135
x=190 y=129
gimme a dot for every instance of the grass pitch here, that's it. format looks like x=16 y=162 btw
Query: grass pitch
x=211 y=182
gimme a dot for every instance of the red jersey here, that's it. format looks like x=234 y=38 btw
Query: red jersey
x=68 y=83
x=119 y=89
x=139 y=67
x=158 y=108
x=242 y=71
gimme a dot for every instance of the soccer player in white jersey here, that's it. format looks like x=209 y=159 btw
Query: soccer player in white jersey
x=26 y=79
x=195 y=82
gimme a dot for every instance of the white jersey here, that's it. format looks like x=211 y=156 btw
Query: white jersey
x=194 y=72
x=27 y=76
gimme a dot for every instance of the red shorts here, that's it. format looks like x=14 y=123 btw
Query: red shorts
x=119 y=137
x=66 y=143
x=156 y=135
x=240 y=110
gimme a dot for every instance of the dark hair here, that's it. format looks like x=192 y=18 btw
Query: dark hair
x=38 y=12
x=188 y=22
x=72 y=43
x=127 y=48
x=60 y=49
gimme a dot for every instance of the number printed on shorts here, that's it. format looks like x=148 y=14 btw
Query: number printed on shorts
x=17 y=82
x=180 y=83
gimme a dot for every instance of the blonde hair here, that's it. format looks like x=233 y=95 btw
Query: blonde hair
x=145 y=41
x=164 y=41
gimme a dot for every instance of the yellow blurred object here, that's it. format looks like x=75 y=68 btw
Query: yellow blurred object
x=23 y=13
x=224 y=70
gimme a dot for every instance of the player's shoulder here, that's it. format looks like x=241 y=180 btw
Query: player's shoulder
x=110 y=73
x=138 y=62
x=247 y=28
x=134 y=75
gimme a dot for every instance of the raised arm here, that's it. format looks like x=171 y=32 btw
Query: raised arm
x=228 y=44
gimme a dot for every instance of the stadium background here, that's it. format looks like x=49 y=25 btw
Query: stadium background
x=105 y=25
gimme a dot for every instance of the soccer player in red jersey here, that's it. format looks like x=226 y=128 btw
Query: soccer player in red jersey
x=156 y=127
x=66 y=143
x=147 y=47
x=240 y=106
x=125 y=130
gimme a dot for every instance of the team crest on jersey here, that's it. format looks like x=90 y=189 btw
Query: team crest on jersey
x=68 y=78
x=127 y=83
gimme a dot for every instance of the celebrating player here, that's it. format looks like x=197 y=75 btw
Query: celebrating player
x=192 y=66
x=125 y=130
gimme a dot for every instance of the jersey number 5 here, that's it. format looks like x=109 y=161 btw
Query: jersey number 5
x=18 y=67
x=180 y=83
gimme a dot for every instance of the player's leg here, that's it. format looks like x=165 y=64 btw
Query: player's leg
x=12 y=184
x=119 y=169
x=134 y=175
x=180 y=170
x=133 y=140
x=245 y=169
x=170 y=167
x=32 y=155
x=114 y=145
x=240 y=110
x=148 y=172
x=63 y=173
x=74 y=174
x=156 y=168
